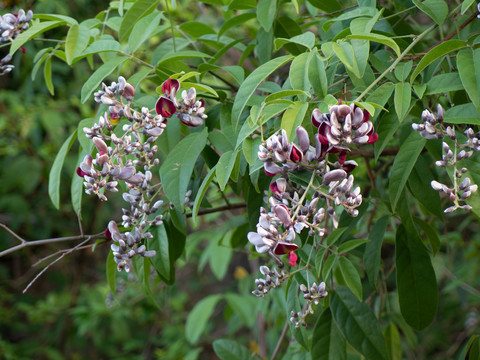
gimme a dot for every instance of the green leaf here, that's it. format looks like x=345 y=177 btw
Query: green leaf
x=358 y=324
x=243 y=305
x=328 y=265
x=394 y=344
x=111 y=273
x=161 y=261
x=373 y=250
x=347 y=56
x=197 y=319
x=143 y=30
x=462 y=114
x=97 y=77
x=328 y=342
x=235 y=21
x=230 y=350
x=77 y=39
x=306 y=39
x=465 y=5
x=101 y=46
x=431 y=233
x=177 y=168
x=350 y=245
x=76 y=187
x=266 y=10
x=402 y=99
x=436 y=9
x=351 y=276
x=403 y=165
x=246 y=90
x=56 y=171
x=388 y=126
x=416 y=282
x=66 y=19
x=284 y=93
x=436 y=53
x=326 y=5
x=299 y=72
x=225 y=166
x=468 y=66
x=195 y=29
x=33 y=31
x=317 y=76
x=335 y=235
x=219 y=255
x=293 y=117
x=182 y=55
x=419 y=185
x=202 y=87
x=402 y=70
x=139 y=9
x=443 y=83
x=201 y=194
x=47 y=74
x=40 y=57
x=382 y=39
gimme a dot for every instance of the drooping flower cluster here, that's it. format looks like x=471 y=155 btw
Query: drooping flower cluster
x=190 y=112
x=272 y=280
x=119 y=162
x=12 y=25
x=433 y=127
x=312 y=296
x=309 y=204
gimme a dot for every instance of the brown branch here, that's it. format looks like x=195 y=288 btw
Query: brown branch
x=366 y=153
x=446 y=38
x=56 y=260
x=220 y=208
x=24 y=243
x=280 y=340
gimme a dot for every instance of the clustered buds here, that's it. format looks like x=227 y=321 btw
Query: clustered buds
x=272 y=280
x=295 y=207
x=190 y=112
x=129 y=245
x=433 y=127
x=312 y=296
x=12 y=25
x=111 y=165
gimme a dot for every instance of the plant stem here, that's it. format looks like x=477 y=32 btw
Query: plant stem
x=395 y=63
x=280 y=340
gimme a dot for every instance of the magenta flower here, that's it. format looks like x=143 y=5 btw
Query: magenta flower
x=165 y=107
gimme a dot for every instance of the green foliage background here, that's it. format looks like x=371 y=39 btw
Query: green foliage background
x=415 y=253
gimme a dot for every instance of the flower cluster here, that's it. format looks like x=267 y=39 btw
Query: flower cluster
x=119 y=162
x=295 y=206
x=312 y=296
x=190 y=112
x=433 y=127
x=272 y=280
x=12 y=25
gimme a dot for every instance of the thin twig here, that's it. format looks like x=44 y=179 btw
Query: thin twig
x=280 y=340
x=55 y=261
x=332 y=13
x=59 y=252
x=25 y=243
x=220 y=208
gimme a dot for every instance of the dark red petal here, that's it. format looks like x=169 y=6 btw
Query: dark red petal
x=295 y=154
x=114 y=115
x=342 y=157
x=108 y=235
x=322 y=132
x=22 y=49
x=169 y=84
x=292 y=258
x=366 y=115
x=372 y=138
x=269 y=173
x=274 y=188
x=349 y=166
x=165 y=107
x=284 y=247
x=80 y=172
